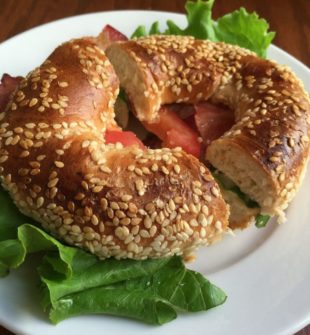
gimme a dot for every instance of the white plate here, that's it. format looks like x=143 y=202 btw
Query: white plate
x=265 y=273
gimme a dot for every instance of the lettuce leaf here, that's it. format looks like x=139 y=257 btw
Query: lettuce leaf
x=227 y=184
x=74 y=282
x=261 y=220
x=246 y=30
x=153 y=298
x=239 y=27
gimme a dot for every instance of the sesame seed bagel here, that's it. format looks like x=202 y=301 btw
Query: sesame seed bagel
x=108 y=199
x=266 y=151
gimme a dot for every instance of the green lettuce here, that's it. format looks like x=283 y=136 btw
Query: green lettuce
x=74 y=282
x=152 y=291
x=261 y=220
x=227 y=184
x=239 y=27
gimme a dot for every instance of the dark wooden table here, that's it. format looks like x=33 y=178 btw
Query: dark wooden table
x=290 y=19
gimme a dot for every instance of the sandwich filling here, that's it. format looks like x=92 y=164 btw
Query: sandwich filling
x=193 y=128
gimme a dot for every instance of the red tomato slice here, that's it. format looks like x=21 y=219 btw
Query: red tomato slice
x=7 y=85
x=213 y=121
x=174 y=132
x=127 y=138
x=109 y=35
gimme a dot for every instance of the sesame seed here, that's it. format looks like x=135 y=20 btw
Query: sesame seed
x=203 y=232
x=94 y=220
x=53 y=192
x=71 y=206
x=291 y=142
x=104 y=203
x=55 y=106
x=63 y=84
x=8 y=141
x=132 y=208
x=193 y=223
x=164 y=170
x=263 y=111
x=97 y=189
x=59 y=164
x=24 y=154
x=33 y=102
x=214 y=191
x=53 y=182
x=146 y=170
x=144 y=233
x=80 y=196
x=3 y=158
x=60 y=152
x=150 y=207
x=205 y=210
x=89 y=236
x=274 y=159
x=282 y=176
x=197 y=191
x=138 y=171
x=88 y=211
x=177 y=168
x=135 y=221
x=139 y=184
x=35 y=172
x=172 y=205
x=114 y=205
x=52 y=175
x=84 y=185
x=105 y=169
x=30 y=125
x=68 y=221
x=18 y=130
x=75 y=229
x=154 y=167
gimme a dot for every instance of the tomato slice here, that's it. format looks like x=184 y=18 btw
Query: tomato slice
x=109 y=35
x=212 y=121
x=174 y=132
x=127 y=138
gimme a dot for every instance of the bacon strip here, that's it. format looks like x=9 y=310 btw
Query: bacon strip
x=212 y=121
x=110 y=35
x=8 y=85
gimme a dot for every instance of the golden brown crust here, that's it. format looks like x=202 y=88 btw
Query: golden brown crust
x=110 y=200
x=272 y=128
x=171 y=69
x=272 y=110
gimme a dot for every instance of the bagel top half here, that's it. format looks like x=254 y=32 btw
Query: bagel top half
x=111 y=200
x=266 y=151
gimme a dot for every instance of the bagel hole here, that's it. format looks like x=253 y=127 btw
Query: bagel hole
x=241 y=214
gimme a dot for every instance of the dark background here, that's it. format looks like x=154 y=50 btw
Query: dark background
x=289 y=18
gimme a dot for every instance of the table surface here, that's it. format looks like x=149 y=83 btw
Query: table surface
x=290 y=19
